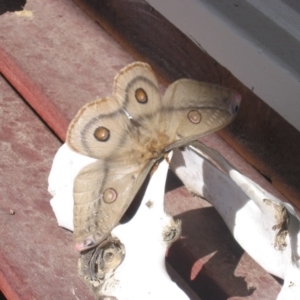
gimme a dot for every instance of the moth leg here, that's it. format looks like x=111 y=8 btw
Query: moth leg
x=156 y=164
x=166 y=157
x=154 y=167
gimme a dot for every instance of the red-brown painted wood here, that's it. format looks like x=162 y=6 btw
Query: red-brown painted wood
x=37 y=258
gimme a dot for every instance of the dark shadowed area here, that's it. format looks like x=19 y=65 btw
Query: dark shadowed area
x=11 y=5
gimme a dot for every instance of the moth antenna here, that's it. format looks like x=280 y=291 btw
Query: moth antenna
x=154 y=167
x=132 y=121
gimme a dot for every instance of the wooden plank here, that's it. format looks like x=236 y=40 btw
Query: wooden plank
x=53 y=89
x=37 y=258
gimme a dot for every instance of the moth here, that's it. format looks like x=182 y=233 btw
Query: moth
x=128 y=133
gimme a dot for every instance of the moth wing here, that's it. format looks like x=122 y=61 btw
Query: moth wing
x=192 y=109
x=102 y=193
x=101 y=130
x=136 y=89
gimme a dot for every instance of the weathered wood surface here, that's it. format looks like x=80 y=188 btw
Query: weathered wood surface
x=35 y=254
x=58 y=59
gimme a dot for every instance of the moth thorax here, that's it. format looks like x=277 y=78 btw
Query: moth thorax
x=155 y=147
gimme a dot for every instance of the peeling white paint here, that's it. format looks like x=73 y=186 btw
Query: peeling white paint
x=239 y=200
